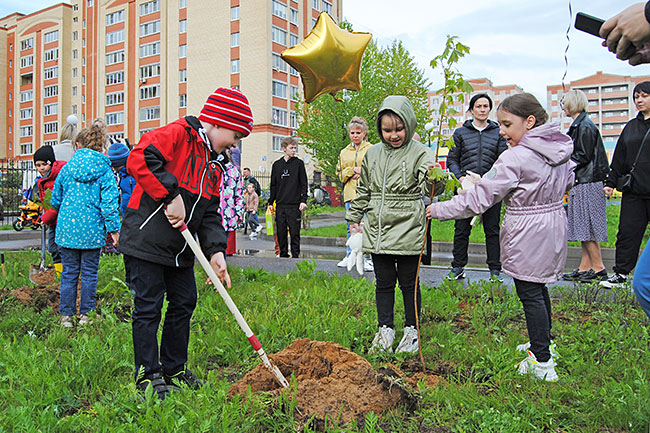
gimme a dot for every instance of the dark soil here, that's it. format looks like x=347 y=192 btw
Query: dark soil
x=43 y=278
x=333 y=383
x=39 y=298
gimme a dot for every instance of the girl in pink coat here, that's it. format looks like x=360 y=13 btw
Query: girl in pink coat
x=531 y=178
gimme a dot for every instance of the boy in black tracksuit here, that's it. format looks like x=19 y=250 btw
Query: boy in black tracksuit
x=289 y=192
x=178 y=183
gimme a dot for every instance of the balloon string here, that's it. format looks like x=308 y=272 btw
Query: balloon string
x=566 y=50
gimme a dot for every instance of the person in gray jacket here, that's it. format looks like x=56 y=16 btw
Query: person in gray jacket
x=477 y=146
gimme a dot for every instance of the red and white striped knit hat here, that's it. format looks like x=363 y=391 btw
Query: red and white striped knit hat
x=228 y=108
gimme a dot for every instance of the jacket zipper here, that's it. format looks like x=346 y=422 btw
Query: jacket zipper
x=480 y=152
x=381 y=206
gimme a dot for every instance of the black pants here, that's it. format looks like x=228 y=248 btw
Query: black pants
x=426 y=256
x=491 y=225
x=389 y=269
x=633 y=220
x=150 y=281
x=288 y=217
x=537 y=309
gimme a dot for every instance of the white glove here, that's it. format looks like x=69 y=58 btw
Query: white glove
x=469 y=181
x=355 y=242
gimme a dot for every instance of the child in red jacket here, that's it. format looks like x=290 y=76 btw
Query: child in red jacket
x=48 y=168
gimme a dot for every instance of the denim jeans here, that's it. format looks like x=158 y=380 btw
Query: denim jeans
x=389 y=269
x=78 y=263
x=537 y=309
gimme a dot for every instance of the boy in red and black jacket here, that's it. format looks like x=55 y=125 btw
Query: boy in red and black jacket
x=178 y=181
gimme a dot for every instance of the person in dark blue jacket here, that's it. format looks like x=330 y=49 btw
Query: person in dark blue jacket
x=478 y=144
x=118 y=154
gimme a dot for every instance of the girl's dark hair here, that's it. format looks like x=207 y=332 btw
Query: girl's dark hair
x=524 y=105
x=93 y=137
x=643 y=86
x=477 y=97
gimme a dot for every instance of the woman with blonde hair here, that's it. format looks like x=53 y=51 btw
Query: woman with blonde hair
x=64 y=149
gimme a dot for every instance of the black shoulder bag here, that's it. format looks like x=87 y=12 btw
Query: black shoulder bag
x=624 y=183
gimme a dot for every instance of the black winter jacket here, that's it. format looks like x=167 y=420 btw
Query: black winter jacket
x=475 y=150
x=625 y=152
x=288 y=182
x=588 y=150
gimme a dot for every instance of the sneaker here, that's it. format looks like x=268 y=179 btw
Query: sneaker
x=456 y=274
x=184 y=378
x=368 y=266
x=409 y=343
x=157 y=382
x=383 y=340
x=541 y=370
x=258 y=229
x=66 y=321
x=495 y=274
x=343 y=263
x=616 y=280
x=252 y=236
x=526 y=347
x=84 y=320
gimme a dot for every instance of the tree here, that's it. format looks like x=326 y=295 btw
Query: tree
x=384 y=71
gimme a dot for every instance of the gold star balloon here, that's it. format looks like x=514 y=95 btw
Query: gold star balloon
x=328 y=59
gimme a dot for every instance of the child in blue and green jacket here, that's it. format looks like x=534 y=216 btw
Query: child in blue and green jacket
x=86 y=197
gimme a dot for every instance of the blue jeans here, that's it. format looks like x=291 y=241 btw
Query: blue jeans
x=84 y=263
x=641 y=282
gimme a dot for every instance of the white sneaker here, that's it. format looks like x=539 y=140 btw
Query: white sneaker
x=343 y=263
x=541 y=370
x=258 y=229
x=409 y=343
x=368 y=266
x=66 y=321
x=383 y=340
x=252 y=236
x=84 y=320
x=526 y=347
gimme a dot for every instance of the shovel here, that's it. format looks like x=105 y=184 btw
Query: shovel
x=232 y=307
x=41 y=275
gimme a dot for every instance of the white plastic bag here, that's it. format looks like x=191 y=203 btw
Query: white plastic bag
x=355 y=243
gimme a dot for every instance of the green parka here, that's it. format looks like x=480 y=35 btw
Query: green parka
x=392 y=186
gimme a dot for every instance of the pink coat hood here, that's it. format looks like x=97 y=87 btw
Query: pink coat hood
x=531 y=178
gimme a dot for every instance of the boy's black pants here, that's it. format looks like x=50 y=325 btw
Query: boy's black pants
x=150 y=281
x=288 y=217
x=491 y=226
x=389 y=269
x=537 y=309
x=633 y=220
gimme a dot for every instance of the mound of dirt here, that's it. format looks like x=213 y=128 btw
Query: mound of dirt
x=42 y=278
x=332 y=382
x=40 y=298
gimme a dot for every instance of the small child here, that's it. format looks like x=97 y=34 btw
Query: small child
x=252 y=203
x=48 y=169
x=531 y=177
x=394 y=176
x=232 y=200
x=85 y=194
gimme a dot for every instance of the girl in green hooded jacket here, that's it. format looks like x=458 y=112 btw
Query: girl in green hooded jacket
x=394 y=179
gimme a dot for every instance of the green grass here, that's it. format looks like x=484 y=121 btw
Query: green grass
x=443 y=231
x=80 y=380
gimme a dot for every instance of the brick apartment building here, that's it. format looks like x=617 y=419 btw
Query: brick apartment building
x=611 y=103
x=140 y=64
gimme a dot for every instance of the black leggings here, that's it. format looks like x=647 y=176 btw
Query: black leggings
x=537 y=309
x=389 y=269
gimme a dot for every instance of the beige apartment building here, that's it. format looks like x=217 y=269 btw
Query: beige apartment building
x=141 y=64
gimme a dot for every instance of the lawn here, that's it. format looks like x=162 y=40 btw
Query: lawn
x=80 y=380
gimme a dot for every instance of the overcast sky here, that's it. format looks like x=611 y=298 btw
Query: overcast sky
x=511 y=41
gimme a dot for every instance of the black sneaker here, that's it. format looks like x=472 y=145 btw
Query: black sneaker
x=456 y=274
x=495 y=274
x=616 y=280
x=156 y=381
x=184 y=377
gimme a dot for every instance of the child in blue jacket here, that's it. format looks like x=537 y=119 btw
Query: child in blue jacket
x=86 y=197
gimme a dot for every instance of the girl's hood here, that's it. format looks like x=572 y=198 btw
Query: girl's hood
x=88 y=165
x=554 y=146
x=401 y=106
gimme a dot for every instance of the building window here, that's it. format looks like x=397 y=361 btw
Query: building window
x=234 y=39
x=148 y=71
x=26 y=113
x=26 y=61
x=294 y=16
x=147 y=50
x=292 y=70
x=182 y=51
x=49 y=91
x=51 y=37
x=27 y=44
x=149 y=28
x=327 y=7
x=50 y=142
x=115 y=57
x=293 y=120
x=279 y=117
x=277 y=143
x=114 y=98
x=234 y=66
x=49 y=73
x=279 y=36
x=116 y=77
x=75 y=35
x=279 y=89
x=26 y=96
x=115 y=17
x=50 y=109
x=26 y=131
x=74 y=90
x=90 y=3
x=149 y=92
x=149 y=113
x=74 y=54
x=182 y=76
x=315 y=4
x=50 y=127
x=234 y=13
x=149 y=7
x=51 y=54
x=183 y=100
x=182 y=26
x=116 y=118
x=115 y=37
x=280 y=9
x=144 y=131
x=278 y=63
x=182 y=4
x=293 y=92
x=293 y=39
x=25 y=149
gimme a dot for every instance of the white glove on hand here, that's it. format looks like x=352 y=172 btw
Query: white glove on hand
x=469 y=180
x=355 y=242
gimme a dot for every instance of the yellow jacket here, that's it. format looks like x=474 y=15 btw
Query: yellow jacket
x=348 y=159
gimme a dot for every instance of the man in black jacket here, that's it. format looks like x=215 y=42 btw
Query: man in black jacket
x=478 y=144
x=251 y=179
x=289 y=192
